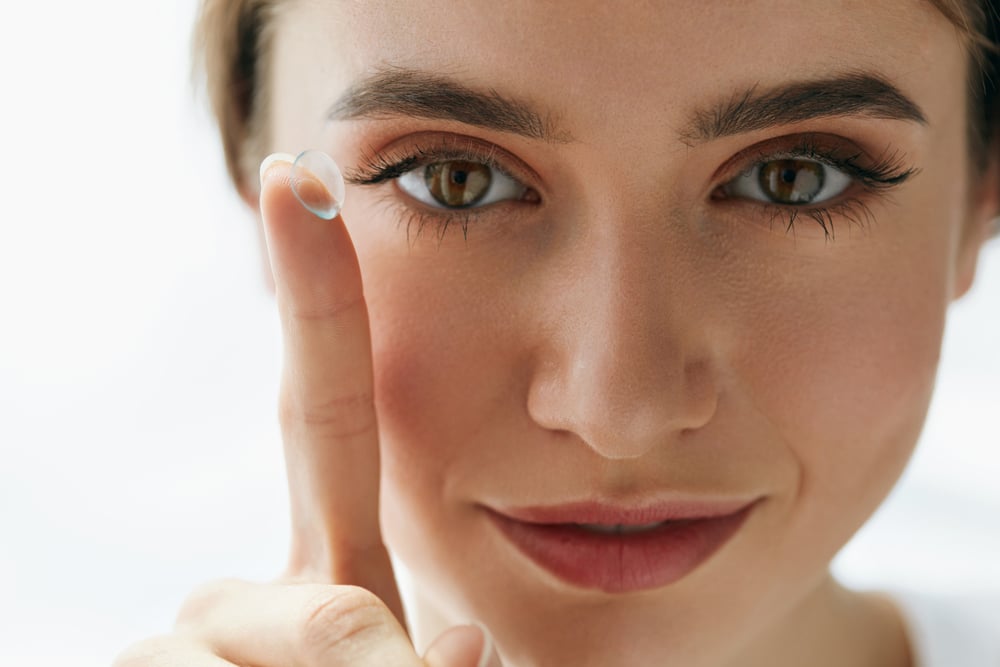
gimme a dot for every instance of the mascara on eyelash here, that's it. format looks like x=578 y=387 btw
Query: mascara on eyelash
x=377 y=168
x=887 y=171
x=886 y=174
x=382 y=173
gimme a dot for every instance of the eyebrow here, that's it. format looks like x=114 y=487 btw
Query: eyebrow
x=851 y=94
x=406 y=92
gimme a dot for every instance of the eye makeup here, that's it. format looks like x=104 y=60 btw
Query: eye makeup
x=801 y=157
x=425 y=149
x=429 y=152
x=869 y=180
x=885 y=171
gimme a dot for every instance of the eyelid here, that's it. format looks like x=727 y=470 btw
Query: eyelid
x=747 y=185
x=831 y=150
x=499 y=188
x=423 y=148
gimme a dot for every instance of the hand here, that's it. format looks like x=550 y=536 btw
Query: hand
x=229 y=623
x=338 y=604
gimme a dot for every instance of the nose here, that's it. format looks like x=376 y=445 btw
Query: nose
x=626 y=362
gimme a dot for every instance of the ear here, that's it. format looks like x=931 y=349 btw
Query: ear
x=251 y=197
x=982 y=225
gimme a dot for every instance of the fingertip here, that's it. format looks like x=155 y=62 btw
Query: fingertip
x=314 y=179
x=488 y=656
x=463 y=646
x=270 y=160
x=318 y=184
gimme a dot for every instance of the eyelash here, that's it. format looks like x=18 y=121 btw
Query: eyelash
x=885 y=174
x=378 y=168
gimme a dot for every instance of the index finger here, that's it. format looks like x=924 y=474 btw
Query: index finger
x=327 y=406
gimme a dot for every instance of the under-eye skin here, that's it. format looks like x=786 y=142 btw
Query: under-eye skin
x=447 y=181
x=811 y=177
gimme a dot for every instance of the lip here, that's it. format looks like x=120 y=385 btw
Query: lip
x=552 y=538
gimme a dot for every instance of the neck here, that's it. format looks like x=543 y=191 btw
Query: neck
x=832 y=627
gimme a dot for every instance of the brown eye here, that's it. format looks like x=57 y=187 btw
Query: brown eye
x=457 y=183
x=791 y=181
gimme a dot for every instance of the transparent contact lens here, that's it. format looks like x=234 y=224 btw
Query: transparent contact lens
x=318 y=183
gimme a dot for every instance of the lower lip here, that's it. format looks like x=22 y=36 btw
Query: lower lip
x=621 y=563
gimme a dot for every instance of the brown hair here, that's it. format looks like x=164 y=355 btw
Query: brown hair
x=232 y=40
x=230 y=45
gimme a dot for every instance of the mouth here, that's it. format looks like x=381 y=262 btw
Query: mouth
x=620 y=528
x=621 y=549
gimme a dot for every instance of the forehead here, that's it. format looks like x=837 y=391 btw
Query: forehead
x=583 y=61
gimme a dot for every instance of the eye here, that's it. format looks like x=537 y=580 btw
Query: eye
x=460 y=184
x=791 y=182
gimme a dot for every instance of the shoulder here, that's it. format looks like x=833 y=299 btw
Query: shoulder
x=951 y=630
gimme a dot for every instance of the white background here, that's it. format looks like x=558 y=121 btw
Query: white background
x=139 y=453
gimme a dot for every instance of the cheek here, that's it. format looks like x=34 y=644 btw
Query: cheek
x=440 y=399
x=411 y=390
x=423 y=380
x=845 y=371
x=439 y=362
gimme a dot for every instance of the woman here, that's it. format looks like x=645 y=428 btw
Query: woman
x=653 y=302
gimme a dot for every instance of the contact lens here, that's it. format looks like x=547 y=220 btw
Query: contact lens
x=318 y=183
x=792 y=181
x=457 y=182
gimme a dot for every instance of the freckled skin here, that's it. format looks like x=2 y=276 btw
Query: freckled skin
x=629 y=334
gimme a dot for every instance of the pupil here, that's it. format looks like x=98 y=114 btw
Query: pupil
x=459 y=177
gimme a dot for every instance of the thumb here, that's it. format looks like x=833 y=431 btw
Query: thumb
x=463 y=646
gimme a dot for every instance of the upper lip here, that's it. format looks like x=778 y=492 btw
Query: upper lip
x=634 y=514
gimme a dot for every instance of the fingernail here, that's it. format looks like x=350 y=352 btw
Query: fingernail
x=489 y=656
x=271 y=159
x=318 y=183
x=458 y=646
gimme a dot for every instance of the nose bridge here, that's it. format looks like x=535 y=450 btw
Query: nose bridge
x=629 y=371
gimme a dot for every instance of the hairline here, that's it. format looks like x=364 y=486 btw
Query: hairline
x=983 y=133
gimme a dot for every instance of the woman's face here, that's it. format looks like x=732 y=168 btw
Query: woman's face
x=667 y=296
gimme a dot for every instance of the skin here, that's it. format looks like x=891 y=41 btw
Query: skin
x=728 y=359
x=626 y=335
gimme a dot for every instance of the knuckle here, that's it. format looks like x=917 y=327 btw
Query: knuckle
x=341 y=417
x=337 y=619
x=150 y=652
x=324 y=310
x=203 y=600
